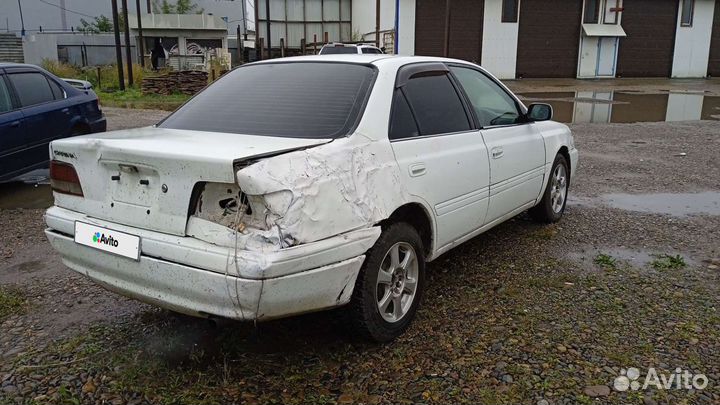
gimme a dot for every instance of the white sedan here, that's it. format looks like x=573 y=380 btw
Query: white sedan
x=299 y=184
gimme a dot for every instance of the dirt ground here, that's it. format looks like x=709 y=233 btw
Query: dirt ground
x=630 y=278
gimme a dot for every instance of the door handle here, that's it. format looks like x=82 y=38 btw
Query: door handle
x=65 y=110
x=417 y=169
x=14 y=124
x=497 y=153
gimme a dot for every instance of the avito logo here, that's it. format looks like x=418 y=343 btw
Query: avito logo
x=108 y=240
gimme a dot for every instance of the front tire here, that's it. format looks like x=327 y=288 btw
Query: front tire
x=389 y=286
x=552 y=205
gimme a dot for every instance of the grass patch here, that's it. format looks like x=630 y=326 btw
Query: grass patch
x=668 y=262
x=106 y=84
x=11 y=301
x=133 y=98
x=605 y=261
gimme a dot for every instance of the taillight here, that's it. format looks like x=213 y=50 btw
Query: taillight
x=64 y=178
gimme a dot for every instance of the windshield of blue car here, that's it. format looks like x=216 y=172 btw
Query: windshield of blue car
x=297 y=100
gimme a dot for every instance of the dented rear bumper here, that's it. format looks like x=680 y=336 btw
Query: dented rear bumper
x=194 y=277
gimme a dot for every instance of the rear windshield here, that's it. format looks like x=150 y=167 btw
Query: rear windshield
x=295 y=100
x=331 y=50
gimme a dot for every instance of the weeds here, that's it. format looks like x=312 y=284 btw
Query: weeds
x=605 y=261
x=668 y=262
x=11 y=301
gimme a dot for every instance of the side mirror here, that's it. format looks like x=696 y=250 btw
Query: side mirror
x=539 y=112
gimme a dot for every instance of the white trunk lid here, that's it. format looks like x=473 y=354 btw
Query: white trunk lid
x=157 y=169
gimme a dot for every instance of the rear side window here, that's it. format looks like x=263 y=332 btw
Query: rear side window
x=5 y=101
x=31 y=88
x=370 y=50
x=402 y=124
x=436 y=105
x=295 y=100
x=57 y=92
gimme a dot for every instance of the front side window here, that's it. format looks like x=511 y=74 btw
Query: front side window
x=294 y=100
x=492 y=105
x=436 y=105
x=370 y=50
x=31 y=88
x=686 y=18
x=5 y=100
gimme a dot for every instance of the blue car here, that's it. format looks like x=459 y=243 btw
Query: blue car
x=36 y=108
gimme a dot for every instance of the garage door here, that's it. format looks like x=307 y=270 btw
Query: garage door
x=648 y=48
x=466 y=23
x=548 y=38
x=714 y=63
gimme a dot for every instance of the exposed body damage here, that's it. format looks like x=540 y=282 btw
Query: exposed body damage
x=304 y=196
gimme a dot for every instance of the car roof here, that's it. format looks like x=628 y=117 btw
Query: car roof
x=13 y=64
x=374 y=59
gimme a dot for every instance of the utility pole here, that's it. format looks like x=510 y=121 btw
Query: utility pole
x=141 y=44
x=22 y=22
x=244 y=17
x=240 y=46
x=128 y=51
x=149 y=8
x=377 y=23
x=118 y=48
x=267 y=20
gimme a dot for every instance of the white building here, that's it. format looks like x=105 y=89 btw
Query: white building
x=557 y=38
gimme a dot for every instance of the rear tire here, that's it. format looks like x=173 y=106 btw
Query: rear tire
x=552 y=205
x=389 y=286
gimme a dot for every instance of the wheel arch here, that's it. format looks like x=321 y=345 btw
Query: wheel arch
x=419 y=217
x=565 y=152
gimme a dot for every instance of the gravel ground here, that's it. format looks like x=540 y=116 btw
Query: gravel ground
x=521 y=314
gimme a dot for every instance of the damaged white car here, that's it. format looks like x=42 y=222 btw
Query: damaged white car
x=300 y=184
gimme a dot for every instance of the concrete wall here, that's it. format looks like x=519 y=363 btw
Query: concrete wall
x=37 y=47
x=406 y=28
x=499 y=46
x=100 y=48
x=692 y=44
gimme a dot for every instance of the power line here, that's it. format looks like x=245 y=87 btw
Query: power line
x=65 y=9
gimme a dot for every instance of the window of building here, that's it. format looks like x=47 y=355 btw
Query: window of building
x=592 y=11
x=509 y=11
x=436 y=105
x=686 y=17
x=611 y=11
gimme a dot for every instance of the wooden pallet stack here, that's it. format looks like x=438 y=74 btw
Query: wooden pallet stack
x=185 y=82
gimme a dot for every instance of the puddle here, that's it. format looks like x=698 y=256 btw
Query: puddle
x=626 y=107
x=24 y=195
x=675 y=204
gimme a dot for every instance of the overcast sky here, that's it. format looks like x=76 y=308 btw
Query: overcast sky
x=49 y=14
